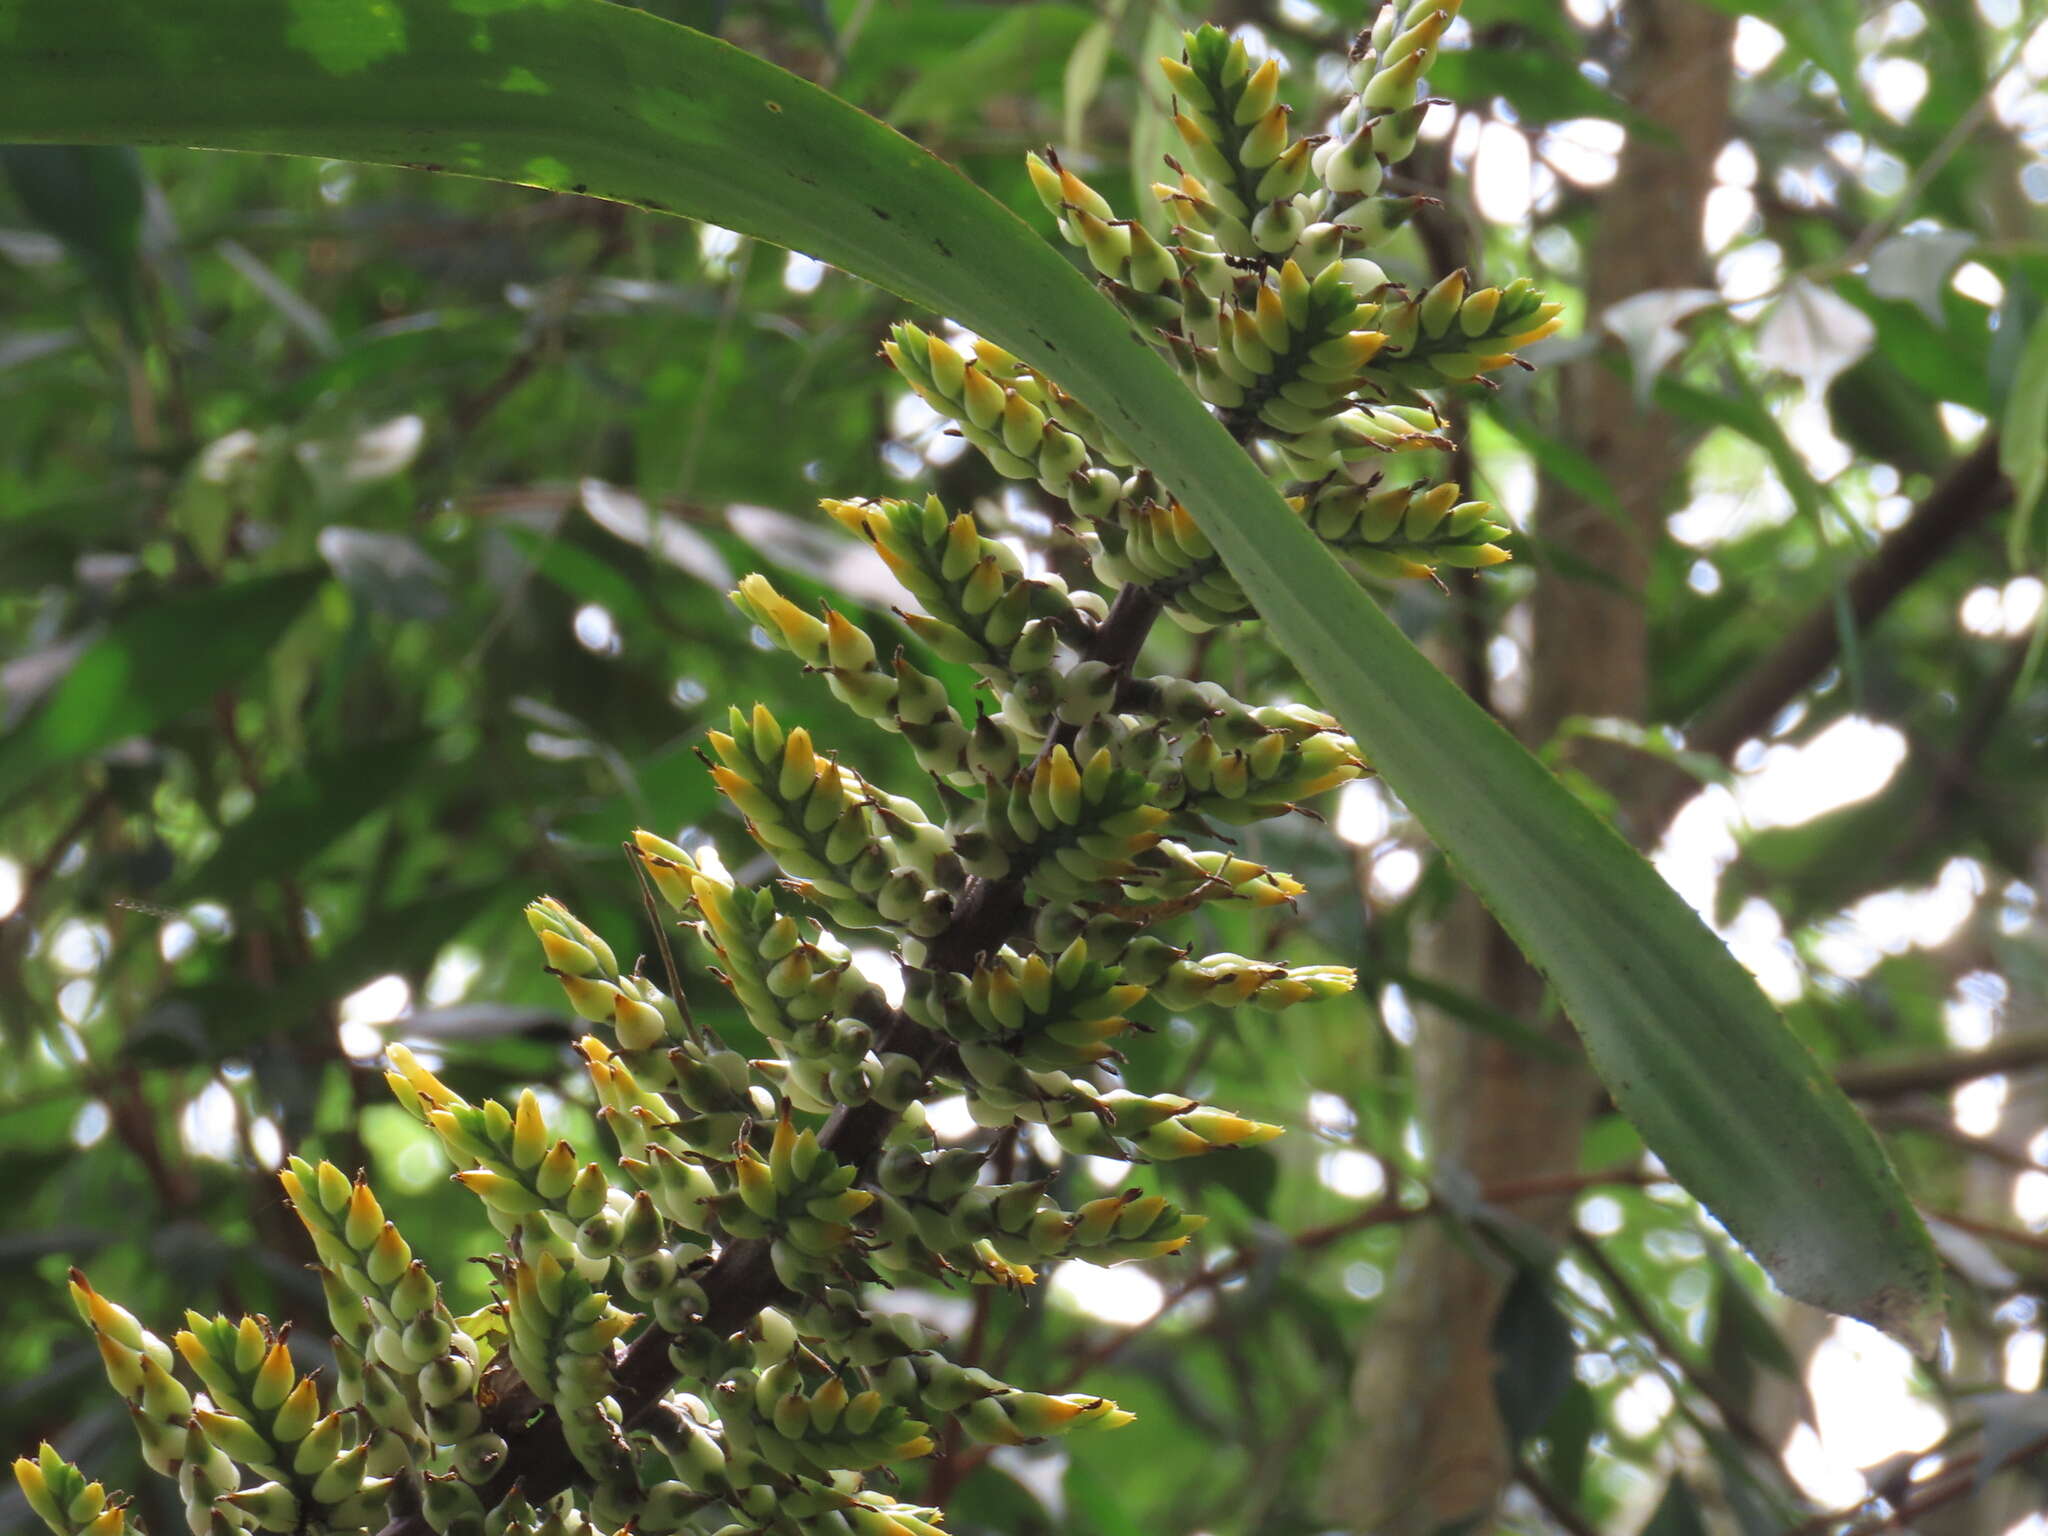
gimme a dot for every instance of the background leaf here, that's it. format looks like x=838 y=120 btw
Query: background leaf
x=1533 y=1345
x=90 y=197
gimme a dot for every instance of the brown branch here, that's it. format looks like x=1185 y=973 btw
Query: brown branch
x=2037 y=1241
x=38 y=873
x=1553 y=1503
x=1956 y=1478
x=1955 y=786
x=1936 y=1123
x=1878 y=1081
x=1388 y=1210
x=1959 y=503
x=130 y=1113
x=468 y=412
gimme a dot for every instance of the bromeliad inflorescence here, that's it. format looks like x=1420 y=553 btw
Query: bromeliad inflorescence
x=683 y=1336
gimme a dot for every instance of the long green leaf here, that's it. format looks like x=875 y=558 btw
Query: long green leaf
x=587 y=97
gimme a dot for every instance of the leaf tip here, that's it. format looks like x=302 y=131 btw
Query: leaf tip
x=1912 y=1315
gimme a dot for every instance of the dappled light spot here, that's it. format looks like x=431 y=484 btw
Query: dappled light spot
x=1730 y=213
x=2023 y=1355
x=1823 y=1477
x=1642 y=1405
x=344 y=37
x=596 y=630
x=920 y=438
x=1583 y=150
x=1971 y=1017
x=90 y=1124
x=525 y=82
x=1757 y=938
x=1394 y=874
x=547 y=171
x=2010 y=610
x=1897 y=86
x=1757 y=45
x=78 y=946
x=1867 y=1407
x=375 y=453
x=413 y=1156
x=1352 y=1174
x=1363 y=813
x=1749 y=271
x=2030 y=1190
x=1736 y=165
x=77 y=1001
x=1974 y=280
x=211 y=919
x=1501 y=172
x=1125 y=1295
x=453 y=974
x=1107 y=1172
x=1894 y=921
x=209 y=1123
x=1397 y=1015
x=377 y=1002
x=1600 y=1215
x=558 y=749
x=1331 y=1115
x=880 y=967
x=949 y=1118
x=1964 y=426
x=1849 y=761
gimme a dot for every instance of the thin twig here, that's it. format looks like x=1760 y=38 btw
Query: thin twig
x=1389 y=1210
x=1943 y=1070
x=1553 y=1503
x=1858 y=250
x=1708 y=1385
x=1938 y=1124
x=1956 y=1478
x=1963 y=500
x=53 y=852
x=2038 y=1241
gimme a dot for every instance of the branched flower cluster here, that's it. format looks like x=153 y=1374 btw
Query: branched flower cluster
x=683 y=1336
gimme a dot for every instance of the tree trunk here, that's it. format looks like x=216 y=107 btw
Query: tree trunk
x=1429 y=1450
